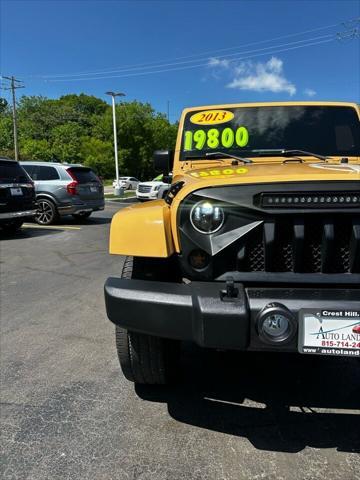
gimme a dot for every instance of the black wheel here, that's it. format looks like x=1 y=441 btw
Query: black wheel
x=46 y=213
x=12 y=226
x=81 y=216
x=129 y=187
x=143 y=358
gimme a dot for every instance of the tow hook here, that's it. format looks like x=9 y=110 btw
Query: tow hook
x=230 y=292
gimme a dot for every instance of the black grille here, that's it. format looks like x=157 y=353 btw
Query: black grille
x=255 y=257
x=317 y=245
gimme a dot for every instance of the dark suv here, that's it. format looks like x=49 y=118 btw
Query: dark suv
x=64 y=189
x=17 y=195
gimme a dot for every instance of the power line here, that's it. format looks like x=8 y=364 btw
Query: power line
x=159 y=65
x=208 y=52
x=14 y=85
x=349 y=34
x=187 y=66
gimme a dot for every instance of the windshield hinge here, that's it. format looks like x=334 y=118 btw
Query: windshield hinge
x=173 y=191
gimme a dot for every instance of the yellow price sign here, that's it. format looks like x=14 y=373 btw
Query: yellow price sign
x=211 y=117
x=215 y=138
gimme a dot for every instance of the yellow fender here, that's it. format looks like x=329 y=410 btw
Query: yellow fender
x=142 y=230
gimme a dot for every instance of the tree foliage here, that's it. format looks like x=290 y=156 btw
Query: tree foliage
x=79 y=129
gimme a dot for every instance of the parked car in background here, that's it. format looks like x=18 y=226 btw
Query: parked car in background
x=17 y=195
x=163 y=190
x=152 y=189
x=129 y=183
x=147 y=190
x=64 y=189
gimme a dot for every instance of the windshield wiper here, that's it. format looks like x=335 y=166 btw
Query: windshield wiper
x=290 y=153
x=220 y=156
x=228 y=155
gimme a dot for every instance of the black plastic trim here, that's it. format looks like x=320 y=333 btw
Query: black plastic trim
x=293 y=278
x=197 y=312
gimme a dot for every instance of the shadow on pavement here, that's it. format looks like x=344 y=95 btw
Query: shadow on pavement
x=295 y=393
x=28 y=232
x=68 y=220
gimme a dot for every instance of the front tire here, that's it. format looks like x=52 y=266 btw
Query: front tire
x=145 y=359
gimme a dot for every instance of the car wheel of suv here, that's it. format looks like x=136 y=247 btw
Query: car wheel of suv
x=144 y=358
x=46 y=213
x=12 y=226
x=82 y=216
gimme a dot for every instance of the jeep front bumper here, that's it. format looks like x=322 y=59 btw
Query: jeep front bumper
x=197 y=312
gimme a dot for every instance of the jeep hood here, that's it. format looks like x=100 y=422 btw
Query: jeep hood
x=227 y=174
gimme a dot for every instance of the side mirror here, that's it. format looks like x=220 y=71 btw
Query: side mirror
x=163 y=160
x=167 y=178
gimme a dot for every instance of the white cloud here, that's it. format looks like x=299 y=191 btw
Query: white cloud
x=309 y=92
x=242 y=68
x=264 y=77
x=258 y=77
x=275 y=65
x=217 y=62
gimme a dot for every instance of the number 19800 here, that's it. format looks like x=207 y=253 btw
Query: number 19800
x=214 y=138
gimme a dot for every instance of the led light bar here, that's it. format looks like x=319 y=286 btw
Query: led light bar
x=311 y=200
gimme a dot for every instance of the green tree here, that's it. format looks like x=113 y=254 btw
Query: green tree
x=36 y=150
x=66 y=142
x=3 y=105
x=86 y=105
x=79 y=128
x=6 y=136
x=98 y=155
x=140 y=131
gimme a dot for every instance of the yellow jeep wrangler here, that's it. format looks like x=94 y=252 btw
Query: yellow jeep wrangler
x=255 y=247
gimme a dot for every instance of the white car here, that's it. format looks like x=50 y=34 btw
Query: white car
x=150 y=190
x=129 y=183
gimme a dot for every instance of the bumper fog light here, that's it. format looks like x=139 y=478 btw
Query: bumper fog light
x=198 y=259
x=276 y=324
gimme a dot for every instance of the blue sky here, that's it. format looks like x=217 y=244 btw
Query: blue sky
x=204 y=52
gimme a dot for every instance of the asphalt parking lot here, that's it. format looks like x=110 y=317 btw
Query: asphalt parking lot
x=68 y=413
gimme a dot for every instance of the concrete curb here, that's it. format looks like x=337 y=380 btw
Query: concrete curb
x=122 y=200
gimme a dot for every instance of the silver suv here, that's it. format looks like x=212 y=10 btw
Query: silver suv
x=64 y=189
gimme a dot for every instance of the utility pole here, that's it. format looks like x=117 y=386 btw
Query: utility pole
x=113 y=95
x=14 y=84
x=168 y=110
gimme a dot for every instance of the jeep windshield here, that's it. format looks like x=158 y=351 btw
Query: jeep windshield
x=265 y=131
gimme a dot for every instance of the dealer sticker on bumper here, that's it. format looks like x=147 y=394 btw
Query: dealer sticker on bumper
x=330 y=332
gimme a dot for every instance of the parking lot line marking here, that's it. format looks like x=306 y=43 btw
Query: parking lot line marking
x=51 y=227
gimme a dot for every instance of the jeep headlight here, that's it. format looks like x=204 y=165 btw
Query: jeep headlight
x=206 y=217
